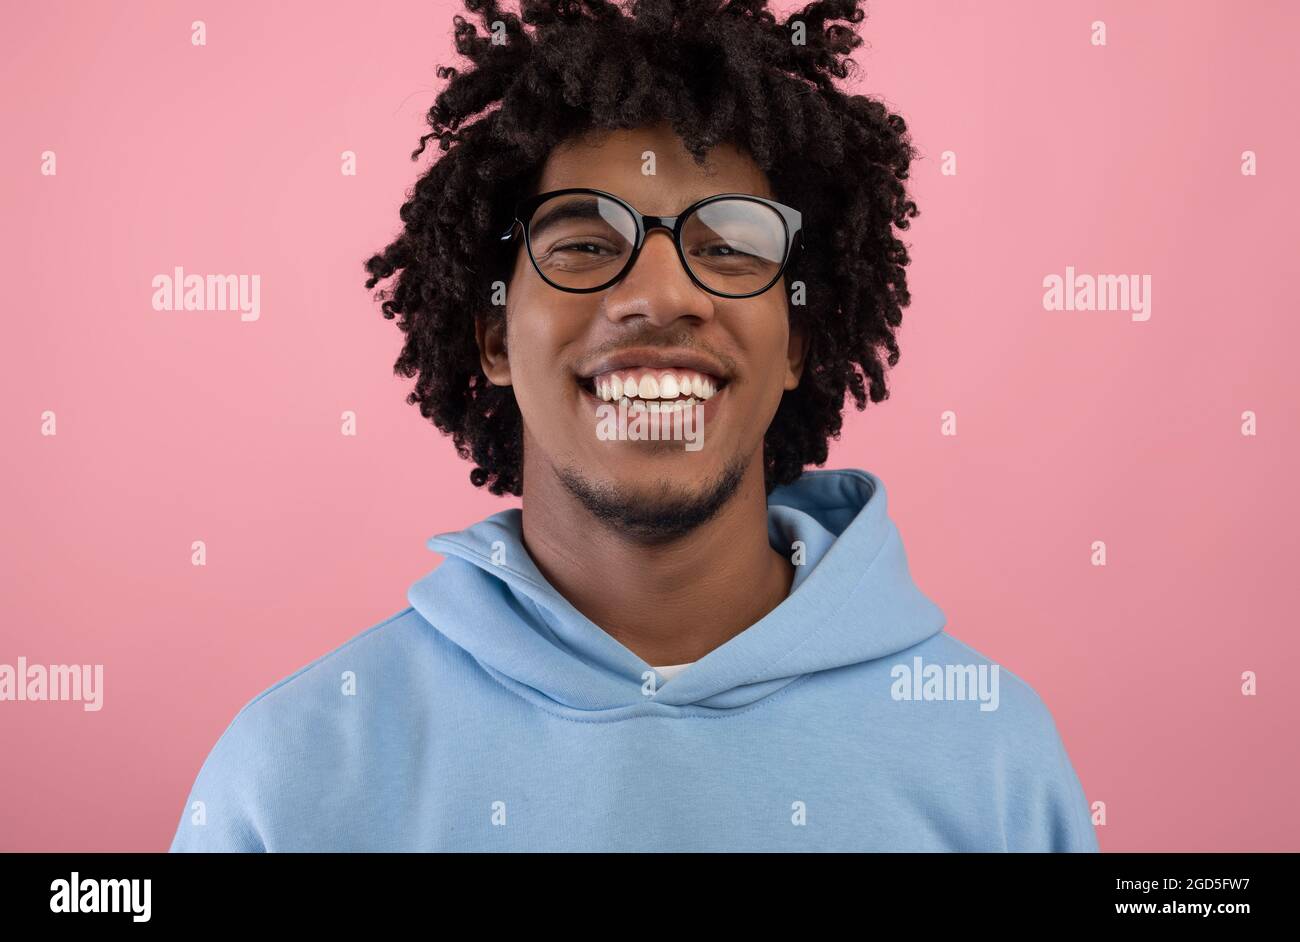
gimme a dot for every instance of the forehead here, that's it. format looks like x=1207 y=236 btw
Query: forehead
x=620 y=162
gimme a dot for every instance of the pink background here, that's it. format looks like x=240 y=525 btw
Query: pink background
x=1073 y=426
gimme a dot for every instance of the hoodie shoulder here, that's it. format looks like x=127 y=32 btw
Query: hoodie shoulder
x=254 y=780
x=1042 y=803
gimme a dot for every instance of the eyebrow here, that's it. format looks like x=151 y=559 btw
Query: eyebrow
x=579 y=207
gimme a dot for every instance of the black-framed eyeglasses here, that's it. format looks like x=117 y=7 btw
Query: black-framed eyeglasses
x=731 y=244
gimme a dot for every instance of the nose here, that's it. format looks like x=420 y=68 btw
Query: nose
x=658 y=287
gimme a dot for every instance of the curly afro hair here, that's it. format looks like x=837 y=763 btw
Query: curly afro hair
x=716 y=70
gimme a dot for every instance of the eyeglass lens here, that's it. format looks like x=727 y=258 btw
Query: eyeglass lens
x=583 y=240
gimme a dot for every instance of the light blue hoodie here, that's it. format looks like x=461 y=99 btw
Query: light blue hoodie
x=492 y=716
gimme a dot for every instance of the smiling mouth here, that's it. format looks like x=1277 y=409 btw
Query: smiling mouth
x=646 y=386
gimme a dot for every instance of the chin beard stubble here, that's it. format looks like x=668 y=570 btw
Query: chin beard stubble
x=666 y=514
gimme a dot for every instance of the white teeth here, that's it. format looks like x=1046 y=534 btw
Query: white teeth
x=690 y=387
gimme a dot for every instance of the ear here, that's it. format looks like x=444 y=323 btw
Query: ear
x=493 y=355
x=797 y=353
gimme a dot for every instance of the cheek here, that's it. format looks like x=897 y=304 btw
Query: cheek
x=542 y=334
x=767 y=342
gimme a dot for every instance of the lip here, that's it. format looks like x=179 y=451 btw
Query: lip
x=660 y=358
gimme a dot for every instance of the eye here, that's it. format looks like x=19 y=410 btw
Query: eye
x=583 y=248
x=725 y=250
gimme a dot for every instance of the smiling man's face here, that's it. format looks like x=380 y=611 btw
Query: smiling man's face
x=563 y=350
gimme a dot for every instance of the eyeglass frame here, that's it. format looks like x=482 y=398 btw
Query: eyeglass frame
x=791 y=219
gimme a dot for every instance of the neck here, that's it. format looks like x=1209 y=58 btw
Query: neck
x=668 y=602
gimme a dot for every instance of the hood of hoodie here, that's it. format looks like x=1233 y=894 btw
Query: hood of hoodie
x=853 y=600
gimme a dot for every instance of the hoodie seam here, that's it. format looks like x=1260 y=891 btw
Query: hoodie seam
x=749 y=708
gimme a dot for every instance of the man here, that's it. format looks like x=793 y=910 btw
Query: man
x=682 y=641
